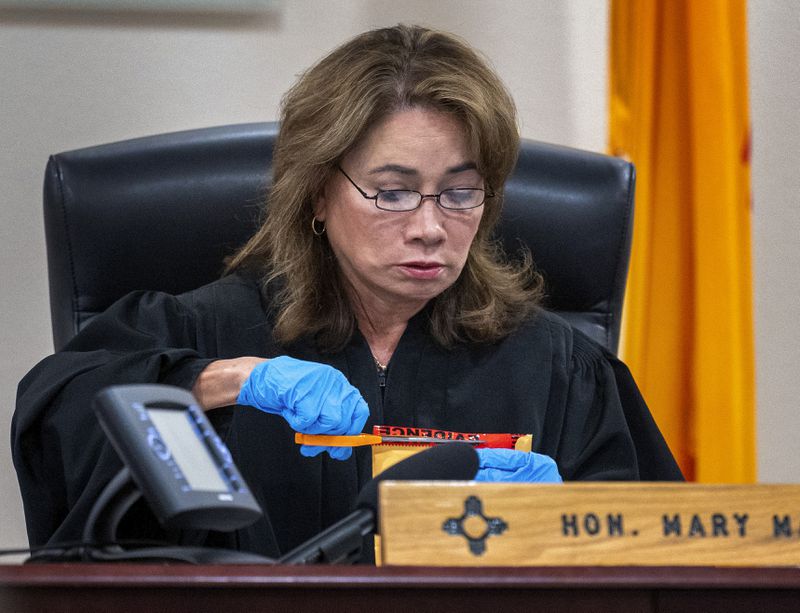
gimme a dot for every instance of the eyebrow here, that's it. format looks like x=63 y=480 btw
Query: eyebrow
x=406 y=170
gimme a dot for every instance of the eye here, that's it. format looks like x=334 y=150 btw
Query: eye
x=393 y=196
x=462 y=197
x=398 y=200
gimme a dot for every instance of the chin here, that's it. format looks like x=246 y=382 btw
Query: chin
x=428 y=293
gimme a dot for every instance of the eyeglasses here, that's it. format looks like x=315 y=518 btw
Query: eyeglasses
x=397 y=200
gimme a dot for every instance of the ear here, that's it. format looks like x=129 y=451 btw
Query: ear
x=320 y=205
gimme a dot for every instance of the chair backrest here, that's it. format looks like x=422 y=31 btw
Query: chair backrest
x=162 y=212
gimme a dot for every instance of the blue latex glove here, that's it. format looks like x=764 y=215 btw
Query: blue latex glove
x=516 y=466
x=314 y=398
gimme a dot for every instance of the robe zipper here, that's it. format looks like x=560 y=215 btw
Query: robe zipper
x=381 y=380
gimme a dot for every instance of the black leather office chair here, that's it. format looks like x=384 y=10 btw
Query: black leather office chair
x=162 y=212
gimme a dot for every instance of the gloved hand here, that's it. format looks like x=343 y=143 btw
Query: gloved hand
x=518 y=466
x=314 y=398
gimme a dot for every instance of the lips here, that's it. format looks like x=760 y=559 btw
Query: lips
x=422 y=270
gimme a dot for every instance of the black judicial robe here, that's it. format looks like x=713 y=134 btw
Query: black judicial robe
x=578 y=401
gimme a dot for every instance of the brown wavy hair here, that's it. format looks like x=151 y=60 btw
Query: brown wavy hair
x=324 y=116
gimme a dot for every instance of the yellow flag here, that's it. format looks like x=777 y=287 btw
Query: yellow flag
x=679 y=111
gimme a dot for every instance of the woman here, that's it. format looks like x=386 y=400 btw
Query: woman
x=372 y=294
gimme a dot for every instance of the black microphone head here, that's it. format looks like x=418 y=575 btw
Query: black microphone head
x=445 y=462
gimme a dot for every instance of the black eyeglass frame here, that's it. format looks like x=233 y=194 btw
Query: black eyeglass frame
x=436 y=197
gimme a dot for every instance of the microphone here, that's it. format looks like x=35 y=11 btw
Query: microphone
x=342 y=542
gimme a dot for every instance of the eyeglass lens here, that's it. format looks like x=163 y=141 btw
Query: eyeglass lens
x=406 y=200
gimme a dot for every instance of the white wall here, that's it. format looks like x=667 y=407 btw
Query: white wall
x=774 y=28
x=70 y=80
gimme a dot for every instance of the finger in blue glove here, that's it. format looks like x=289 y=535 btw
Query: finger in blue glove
x=337 y=453
x=510 y=465
x=313 y=398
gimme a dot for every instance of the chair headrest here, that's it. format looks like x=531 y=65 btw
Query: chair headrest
x=162 y=212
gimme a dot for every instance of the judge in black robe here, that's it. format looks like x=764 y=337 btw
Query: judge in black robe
x=577 y=400
x=393 y=262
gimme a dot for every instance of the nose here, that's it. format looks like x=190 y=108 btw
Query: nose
x=426 y=222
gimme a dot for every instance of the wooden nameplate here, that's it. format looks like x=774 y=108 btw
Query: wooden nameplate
x=589 y=524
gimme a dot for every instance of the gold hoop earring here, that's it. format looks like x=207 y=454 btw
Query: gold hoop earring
x=314 y=227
